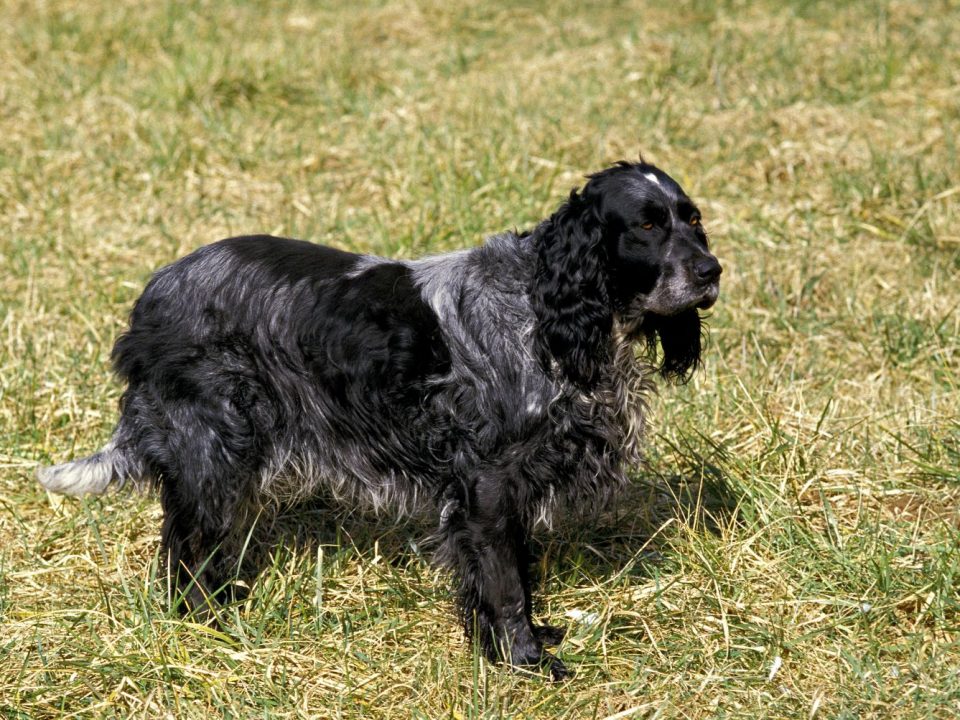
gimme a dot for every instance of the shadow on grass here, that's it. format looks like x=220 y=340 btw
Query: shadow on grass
x=629 y=533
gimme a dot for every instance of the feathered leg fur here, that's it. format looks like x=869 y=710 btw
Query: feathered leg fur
x=201 y=452
x=487 y=546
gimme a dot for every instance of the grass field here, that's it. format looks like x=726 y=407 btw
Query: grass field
x=792 y=548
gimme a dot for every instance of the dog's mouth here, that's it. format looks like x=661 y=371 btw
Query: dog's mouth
x=641 y=314
x=707 y=302
x=710 y=296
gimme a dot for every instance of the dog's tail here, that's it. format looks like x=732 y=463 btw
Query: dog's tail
x=92 y=475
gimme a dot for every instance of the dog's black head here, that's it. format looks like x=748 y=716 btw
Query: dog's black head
x=629 y=246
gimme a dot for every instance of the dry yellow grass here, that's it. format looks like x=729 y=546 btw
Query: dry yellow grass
x=791 y=550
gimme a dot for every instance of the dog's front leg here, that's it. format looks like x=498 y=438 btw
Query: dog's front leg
x=488 y=544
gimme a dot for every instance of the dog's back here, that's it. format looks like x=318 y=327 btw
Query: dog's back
x=270 y=358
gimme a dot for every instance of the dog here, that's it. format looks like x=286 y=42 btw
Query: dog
x=498 y=384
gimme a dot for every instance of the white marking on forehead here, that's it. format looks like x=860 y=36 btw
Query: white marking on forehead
x=652 y=178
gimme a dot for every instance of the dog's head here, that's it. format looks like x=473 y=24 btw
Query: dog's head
x=628 y=247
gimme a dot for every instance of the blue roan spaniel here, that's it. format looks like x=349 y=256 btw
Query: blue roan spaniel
x=497 y=384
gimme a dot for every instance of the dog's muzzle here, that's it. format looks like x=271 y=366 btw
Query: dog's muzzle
x=707 y=272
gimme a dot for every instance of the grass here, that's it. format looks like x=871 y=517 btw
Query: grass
x=791 y=549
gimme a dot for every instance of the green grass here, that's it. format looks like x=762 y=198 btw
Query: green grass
x=792 y=548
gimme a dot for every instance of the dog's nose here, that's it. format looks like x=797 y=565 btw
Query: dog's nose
x=707 y=269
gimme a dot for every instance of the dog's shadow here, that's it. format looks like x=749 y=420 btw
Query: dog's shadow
x=630 y=534
x=627 y=535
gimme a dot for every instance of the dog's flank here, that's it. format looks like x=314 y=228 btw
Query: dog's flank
x=496 y=385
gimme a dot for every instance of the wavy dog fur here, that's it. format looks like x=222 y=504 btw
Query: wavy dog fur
x=495 y=384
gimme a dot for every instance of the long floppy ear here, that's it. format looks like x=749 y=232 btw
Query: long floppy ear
x=569 y=292
x=680 y=338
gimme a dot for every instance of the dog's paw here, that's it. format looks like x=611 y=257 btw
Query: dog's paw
x=549 y=635
x=558 y=671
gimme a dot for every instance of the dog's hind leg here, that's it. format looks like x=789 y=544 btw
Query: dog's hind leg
x=201 y=550
x=486 y=543
x=202 y=453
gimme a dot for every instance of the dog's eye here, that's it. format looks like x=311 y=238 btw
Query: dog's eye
x=647 y=226
x=695 y=220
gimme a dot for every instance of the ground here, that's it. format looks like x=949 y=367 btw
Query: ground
x=790 y=549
